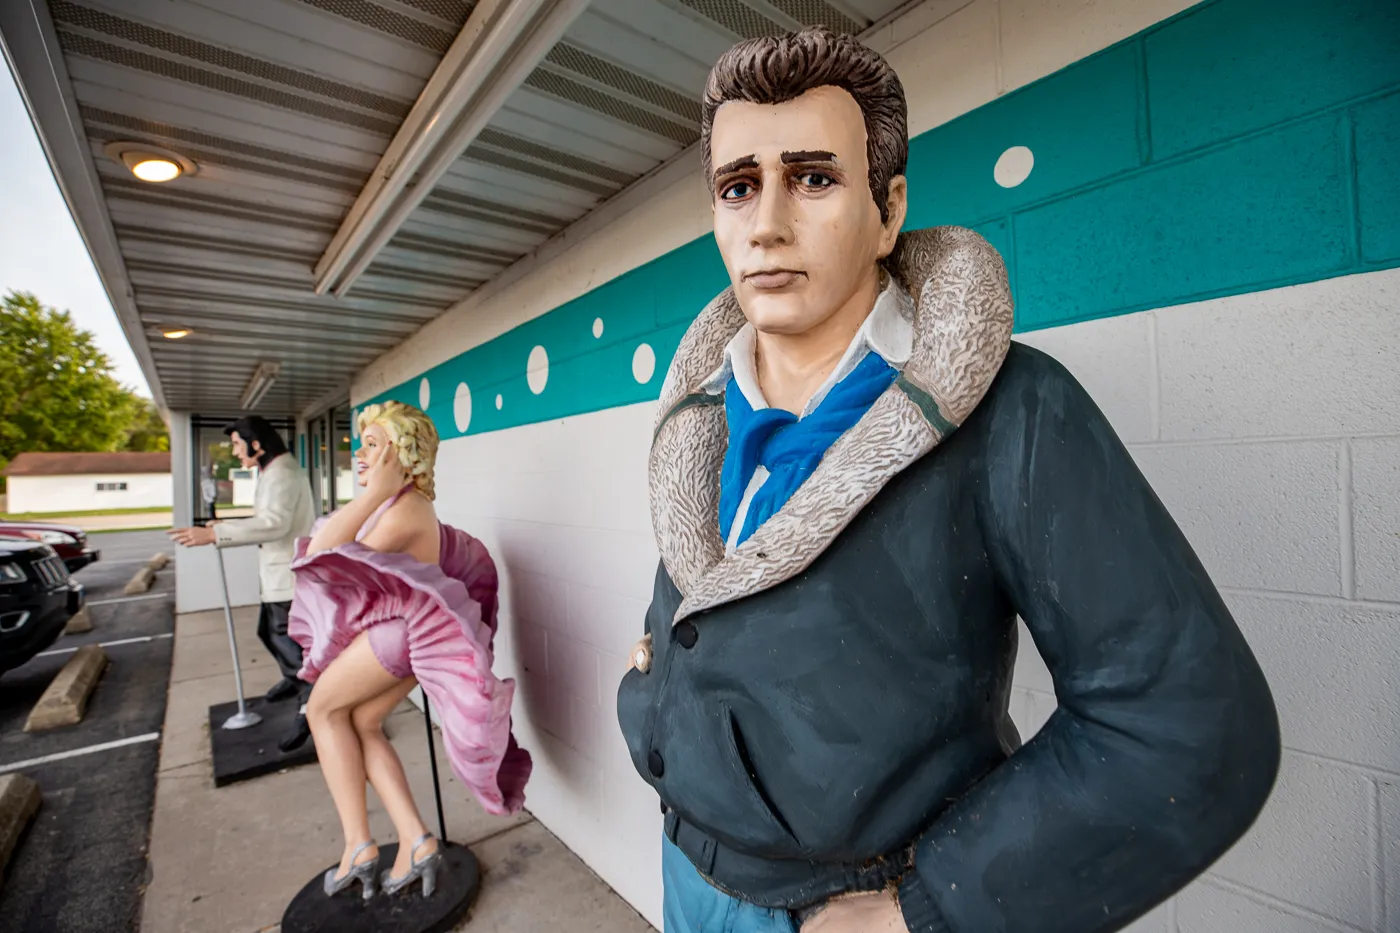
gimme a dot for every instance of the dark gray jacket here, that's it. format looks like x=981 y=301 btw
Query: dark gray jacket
x=826 y=709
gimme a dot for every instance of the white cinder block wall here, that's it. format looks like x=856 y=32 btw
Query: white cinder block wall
x=1269 y=424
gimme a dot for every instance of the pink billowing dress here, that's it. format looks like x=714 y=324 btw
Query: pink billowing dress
x=433 y=622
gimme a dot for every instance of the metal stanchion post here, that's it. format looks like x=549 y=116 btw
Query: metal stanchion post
x=432 y=760
x=241 y=719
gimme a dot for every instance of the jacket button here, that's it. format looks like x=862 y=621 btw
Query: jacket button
x=655 y=765
x=686 y=635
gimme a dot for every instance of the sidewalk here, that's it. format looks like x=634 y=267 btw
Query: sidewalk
x=228 y=860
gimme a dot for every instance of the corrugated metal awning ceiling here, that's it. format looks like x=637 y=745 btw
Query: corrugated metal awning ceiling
x=286 y=107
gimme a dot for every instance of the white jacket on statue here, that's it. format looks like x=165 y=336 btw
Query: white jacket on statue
x=282 y=513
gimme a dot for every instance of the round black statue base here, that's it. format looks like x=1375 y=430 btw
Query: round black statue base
x=406 y=912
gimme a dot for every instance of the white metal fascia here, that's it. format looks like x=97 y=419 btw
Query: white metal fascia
x=30 y=46
x=501 y=43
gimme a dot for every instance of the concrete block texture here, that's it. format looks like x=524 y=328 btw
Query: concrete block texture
x=1259 y=516
x=957 y=56
x=1210 y=908
x=65 y=700
x=1039 y=37
x=19 y=801
x=1307 y=360
x=1375 y=479
x=1389 y=792
x=1312 y=845
x=1334 y=669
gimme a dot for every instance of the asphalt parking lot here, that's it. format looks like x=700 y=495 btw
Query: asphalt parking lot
x=81 y=868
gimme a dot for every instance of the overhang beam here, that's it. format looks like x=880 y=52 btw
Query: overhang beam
x=500 y=45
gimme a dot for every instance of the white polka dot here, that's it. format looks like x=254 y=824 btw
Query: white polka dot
x=499 y=402
x=1014 y=166
x=537 y=370
x=462 y=407
x=643 y=364
x=597 y=327
x=425 y=394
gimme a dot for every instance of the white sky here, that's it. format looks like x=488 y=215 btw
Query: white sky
x=40 y=249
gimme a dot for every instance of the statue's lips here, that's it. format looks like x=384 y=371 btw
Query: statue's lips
x=773 y=278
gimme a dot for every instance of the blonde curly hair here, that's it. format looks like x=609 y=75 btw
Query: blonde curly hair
x=412 y=433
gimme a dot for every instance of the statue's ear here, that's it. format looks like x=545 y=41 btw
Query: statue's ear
x=896 y=209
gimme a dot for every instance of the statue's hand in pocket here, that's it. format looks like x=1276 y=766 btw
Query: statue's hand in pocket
x=875 y=912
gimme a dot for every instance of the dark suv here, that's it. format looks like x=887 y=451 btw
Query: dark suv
x=37 y=598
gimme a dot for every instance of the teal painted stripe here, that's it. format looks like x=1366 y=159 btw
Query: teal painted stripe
x=1378 y=178
x=1241 y=145
x=1228 y=68
x=1268 y=209
x=928 y=406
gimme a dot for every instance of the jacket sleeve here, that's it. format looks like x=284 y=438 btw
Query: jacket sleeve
x=1165 y=744
x=271 y=522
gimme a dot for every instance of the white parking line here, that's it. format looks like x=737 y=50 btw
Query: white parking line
x=77 y=752
x=128 y=599
x=106 y=644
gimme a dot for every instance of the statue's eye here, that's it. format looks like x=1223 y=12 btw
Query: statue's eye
x=816 y=179
x=736 y=191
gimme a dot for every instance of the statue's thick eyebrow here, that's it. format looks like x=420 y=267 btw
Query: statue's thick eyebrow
x=817 y=155
x=748 y=161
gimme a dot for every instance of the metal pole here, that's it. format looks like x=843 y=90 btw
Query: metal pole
x=241 y=719
x=432 y=760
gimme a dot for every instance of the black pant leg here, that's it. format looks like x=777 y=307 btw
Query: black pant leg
x=283 y=648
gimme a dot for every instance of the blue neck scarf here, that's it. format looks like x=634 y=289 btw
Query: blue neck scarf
x=788 y=448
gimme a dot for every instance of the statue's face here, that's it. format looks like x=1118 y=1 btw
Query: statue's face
x=794 y=217
x=246 y=455
x=373 y=441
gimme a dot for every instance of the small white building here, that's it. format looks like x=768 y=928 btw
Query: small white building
x=245 y=484
x=79 y=482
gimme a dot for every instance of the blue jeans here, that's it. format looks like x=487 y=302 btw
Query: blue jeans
x=692 y=905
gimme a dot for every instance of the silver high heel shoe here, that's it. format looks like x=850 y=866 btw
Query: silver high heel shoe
x=366 y=873
x=426 y=869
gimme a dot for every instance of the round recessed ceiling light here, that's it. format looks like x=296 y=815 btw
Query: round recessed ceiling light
x=175 y=334
x=155 y=169
x=150 y=163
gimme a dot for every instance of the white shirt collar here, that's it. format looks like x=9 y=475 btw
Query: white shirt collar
x=888 y=331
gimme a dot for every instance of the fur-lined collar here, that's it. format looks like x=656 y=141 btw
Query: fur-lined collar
x=962 y=330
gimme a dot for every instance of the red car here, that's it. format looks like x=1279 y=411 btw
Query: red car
x=70 y=542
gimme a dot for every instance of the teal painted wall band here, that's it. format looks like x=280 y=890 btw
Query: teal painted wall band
x=1238 y=146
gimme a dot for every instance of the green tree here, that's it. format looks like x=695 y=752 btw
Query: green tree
x=147 y=431
x=57 y=391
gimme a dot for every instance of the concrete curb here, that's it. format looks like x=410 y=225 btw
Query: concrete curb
x=141 y=582
x=80 y=623
x=158 y=561
x=65 y=700
x=19 y=801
